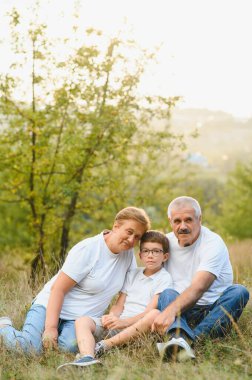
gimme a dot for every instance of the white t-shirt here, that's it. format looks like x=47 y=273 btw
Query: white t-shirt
x=208 y=253
x=140 y=290
x=99 y=274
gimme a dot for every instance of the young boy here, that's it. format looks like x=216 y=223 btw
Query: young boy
x=136 y=306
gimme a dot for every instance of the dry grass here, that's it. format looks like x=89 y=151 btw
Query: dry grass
x=225 y=359
x=241 y=257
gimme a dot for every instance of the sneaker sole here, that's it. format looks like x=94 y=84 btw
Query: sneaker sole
x=79 y=364
x=5 y=321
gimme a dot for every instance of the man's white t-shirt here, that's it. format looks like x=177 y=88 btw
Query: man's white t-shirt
x=140 y=290
x=99 y=274
x=208 y=253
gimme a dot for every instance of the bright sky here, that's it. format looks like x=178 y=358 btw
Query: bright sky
x=205 y=53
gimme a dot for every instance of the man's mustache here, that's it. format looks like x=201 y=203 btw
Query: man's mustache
x=183 y=232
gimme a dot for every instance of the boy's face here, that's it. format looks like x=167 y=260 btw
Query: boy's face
x=152 y=256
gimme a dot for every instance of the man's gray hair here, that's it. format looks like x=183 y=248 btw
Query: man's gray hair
x=182 y=202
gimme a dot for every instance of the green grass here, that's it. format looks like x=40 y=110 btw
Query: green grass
x=228 y=358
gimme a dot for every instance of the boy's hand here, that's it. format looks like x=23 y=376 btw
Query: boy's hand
x=50 y=338
x=113 y=322
x=107 y=319
x=104 y=320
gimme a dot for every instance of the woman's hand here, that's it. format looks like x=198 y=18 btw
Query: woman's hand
x=50 y=338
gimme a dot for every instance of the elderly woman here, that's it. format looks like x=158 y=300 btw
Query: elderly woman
x=92 y=274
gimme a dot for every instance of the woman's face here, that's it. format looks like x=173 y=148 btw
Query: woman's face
x=125 y=235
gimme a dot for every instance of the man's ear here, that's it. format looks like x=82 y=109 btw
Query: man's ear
x=170 y=222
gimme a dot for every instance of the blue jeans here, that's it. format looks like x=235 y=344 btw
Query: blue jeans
x=208 y=320
x=29 y=339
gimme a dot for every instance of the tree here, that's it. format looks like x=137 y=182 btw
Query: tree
x=75 y=134
x=236 y=207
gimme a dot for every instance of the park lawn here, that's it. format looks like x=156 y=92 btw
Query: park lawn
x=227 y=358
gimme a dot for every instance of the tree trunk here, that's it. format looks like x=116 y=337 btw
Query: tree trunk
x=66 y=227
x=38 y=263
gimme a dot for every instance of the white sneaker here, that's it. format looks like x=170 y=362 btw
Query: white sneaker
x=176 y=349
x=5 y=321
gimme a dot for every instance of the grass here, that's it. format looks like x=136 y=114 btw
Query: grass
x=224 y=359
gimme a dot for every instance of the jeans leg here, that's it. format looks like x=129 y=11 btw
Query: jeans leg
x=180 y=323
x=227 y=308
x=67 y=338
x=29 y=339
x=166 y=297
x=196 y=314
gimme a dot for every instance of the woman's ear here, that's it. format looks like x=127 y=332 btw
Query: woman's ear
x=115 y=226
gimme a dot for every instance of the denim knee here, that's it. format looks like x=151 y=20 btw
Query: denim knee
x=239 y=293
x=67 y=345
x=166 y=297
x=67 y=339
x=243 y=293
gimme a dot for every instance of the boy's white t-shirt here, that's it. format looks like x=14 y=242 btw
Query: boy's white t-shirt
x=99 y=274
x=140 y=290
x=208 y=253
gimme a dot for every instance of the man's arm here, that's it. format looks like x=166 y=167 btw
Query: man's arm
x=200 y=283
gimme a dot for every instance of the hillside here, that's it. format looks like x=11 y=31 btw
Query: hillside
x=221 y=140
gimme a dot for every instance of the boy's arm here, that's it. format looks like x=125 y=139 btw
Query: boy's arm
x=115 y=311
x=117 y=323
x=117 y=308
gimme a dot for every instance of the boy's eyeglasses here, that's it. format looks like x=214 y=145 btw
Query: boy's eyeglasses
x=155 y=252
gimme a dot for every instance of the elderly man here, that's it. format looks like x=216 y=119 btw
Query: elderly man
x=203 y=302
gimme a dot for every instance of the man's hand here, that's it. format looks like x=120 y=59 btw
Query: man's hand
x=162 y=322
x=50 y=338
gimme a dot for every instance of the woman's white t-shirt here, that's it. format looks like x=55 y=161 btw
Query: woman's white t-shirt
x=99 y=274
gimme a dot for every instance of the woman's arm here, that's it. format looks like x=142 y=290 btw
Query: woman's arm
x=61 y=286
x=117 y=323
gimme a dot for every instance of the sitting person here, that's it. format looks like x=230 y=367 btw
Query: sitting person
x=93 y=273
x=204 y=301
x=136 y=306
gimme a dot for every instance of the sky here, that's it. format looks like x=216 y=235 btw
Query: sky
x=204 y=45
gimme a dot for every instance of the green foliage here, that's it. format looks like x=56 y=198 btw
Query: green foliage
x=236 y=207
x=76 y=138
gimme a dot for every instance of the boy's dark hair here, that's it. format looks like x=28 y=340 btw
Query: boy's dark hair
x=154 y=236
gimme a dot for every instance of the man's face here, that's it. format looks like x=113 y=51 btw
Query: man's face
x=185 y=225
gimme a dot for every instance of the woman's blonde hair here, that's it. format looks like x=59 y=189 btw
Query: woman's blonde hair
x=134 y=213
